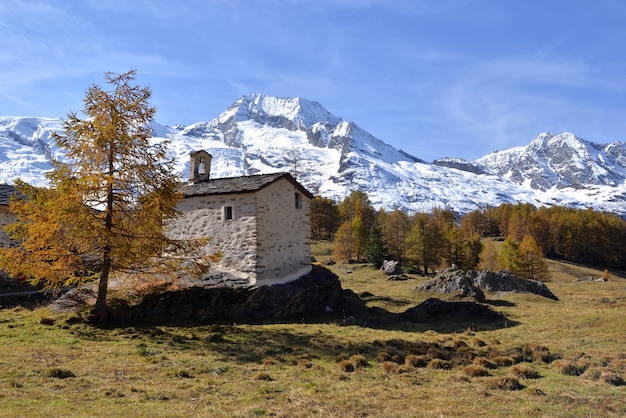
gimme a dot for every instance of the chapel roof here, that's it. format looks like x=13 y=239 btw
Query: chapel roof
x=242 y=184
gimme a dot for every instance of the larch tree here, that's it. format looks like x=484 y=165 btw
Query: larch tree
x=488 y=257
x=108 y=204
x=508 y=257
x=532 y=262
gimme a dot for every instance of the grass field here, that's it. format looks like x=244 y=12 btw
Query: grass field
x=542 y=359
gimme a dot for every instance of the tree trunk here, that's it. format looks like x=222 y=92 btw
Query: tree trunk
x=100 y=310
x=101 y=302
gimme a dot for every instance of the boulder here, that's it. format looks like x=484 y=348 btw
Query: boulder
x=391 y=268
x=318 y=292
x=505 y=281
x=453 y=281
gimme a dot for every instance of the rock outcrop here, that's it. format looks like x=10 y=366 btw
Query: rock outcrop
x=316 y=292
x=453 y=282
x=391 y=268
x=504 y=281
x=470 y=284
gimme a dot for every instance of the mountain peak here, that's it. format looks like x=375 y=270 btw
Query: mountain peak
x=291 y=112
x=560 y=161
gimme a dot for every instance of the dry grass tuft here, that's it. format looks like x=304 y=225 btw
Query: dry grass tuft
x=269 y=361
x=502 y=361
x=537 y=352
x=568 y=368
x=592 y=373
x=612 y=378
x=383 y=356
x=304 y=363
x=485 y=362
x=58 y=373
x=346 y=366
x=359 y=361
x=524 y=371
x=434 y=353
x=440 y=364
x=619 y=364
x=262 y=376
x=475 y=370
x=341 y=357
x=390 y=367
x=46 y=320
x=459 y=344
x=414 y=360
x=503 y=383
x=477 y=342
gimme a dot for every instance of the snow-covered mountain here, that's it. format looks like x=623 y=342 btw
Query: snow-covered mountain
x=332 y=157
x=559 y=161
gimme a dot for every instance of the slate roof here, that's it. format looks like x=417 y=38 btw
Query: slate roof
x=5 y=194
x=243 y=184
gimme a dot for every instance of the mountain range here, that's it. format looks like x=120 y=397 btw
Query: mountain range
x=332 y=157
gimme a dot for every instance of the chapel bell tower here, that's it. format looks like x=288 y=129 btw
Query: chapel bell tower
x=199 y=166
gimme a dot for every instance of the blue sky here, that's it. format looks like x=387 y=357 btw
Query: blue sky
x=458 y=78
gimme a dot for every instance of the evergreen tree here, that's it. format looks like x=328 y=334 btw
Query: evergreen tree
x=376 y=251
x=106 y=208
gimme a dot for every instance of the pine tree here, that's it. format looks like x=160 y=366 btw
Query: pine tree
x=375 y=251
x=107 y=206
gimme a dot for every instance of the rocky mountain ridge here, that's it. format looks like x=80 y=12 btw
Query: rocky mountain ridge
x=332 y=157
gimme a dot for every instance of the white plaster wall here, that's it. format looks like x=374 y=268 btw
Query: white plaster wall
x=284 y=234
x=202 y=216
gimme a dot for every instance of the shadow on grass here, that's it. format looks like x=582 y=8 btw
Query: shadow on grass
x=433 y=314
x=351 y=310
